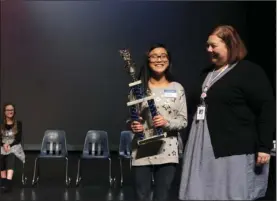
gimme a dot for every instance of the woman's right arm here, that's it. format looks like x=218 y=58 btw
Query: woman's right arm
x=1 y=143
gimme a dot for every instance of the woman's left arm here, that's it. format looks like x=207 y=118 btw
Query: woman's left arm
x=18 y=135
x=259 y=95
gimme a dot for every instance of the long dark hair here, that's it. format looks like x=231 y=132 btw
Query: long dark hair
x=146 y=73
x=4 y=120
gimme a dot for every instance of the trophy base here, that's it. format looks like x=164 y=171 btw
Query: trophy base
x=151 y=139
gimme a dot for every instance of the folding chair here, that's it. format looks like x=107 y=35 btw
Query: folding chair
x=125 y=150
x=96 y=146
x=23 y=177
x=53 y=146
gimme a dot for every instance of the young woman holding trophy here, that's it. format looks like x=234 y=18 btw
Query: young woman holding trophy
x=158 y=157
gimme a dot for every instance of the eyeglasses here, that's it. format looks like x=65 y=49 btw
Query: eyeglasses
x=155 y=57
x=9 y=110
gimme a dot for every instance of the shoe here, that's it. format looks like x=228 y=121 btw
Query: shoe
x=3 y=183
x=8 y=186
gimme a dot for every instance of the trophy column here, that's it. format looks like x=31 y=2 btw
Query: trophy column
x=139 y=97
x=137 y=92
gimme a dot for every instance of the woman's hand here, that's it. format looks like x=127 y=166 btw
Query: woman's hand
x=159 y=121
x=137 y=127
x=6 y=147
x=263 y=158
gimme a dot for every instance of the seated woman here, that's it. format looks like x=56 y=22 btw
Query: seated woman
x=10 y=141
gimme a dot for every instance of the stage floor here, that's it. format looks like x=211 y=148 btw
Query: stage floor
x=94 y=186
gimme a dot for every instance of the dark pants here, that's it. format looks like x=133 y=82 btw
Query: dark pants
x=7 y=162
x=163 y=177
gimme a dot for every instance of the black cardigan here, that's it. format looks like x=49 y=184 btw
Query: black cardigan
x=240 y=111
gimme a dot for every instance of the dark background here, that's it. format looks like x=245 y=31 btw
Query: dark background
x=60 y=63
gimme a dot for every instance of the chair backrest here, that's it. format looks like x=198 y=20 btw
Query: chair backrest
x=54 y=143
x=125 y=144
x=96 y=143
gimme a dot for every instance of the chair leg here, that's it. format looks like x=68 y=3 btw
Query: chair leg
x=35 y=180
x=38 y=172
x=121 y=174
x=130 y=164
x=153 y=180
x=67 y=179
x=78 y=177
x=110 y=172
x=23 y=178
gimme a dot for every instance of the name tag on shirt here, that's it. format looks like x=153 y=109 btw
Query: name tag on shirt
x=201 y=113
x=170 y=93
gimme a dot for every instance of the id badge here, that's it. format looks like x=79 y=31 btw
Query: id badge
x=201 y=112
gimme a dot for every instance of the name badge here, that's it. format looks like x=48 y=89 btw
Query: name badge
x=168 y=93
x=201 y=113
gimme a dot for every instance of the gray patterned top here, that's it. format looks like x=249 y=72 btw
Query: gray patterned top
x=171 y=104
x=13 y=138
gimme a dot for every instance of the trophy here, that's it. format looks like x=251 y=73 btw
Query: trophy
x=139 y=97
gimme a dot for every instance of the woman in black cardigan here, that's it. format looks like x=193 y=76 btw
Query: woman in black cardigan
x=232 y=131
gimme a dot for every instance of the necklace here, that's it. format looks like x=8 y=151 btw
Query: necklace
x=209 y=82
